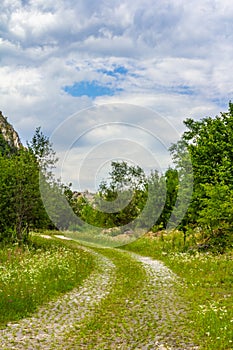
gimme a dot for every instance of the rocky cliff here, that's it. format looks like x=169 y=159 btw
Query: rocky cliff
x=8 y=133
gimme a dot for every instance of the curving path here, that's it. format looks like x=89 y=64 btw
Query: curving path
x=166 y=306
x=46 y=329
x=155 y=319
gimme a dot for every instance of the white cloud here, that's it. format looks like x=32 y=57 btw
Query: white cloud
x=24 y=23
x=178 y=57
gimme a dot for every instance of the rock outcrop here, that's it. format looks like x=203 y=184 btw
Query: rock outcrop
x=9 y=134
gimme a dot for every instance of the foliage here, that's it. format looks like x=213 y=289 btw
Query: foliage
x=209 y=143
x=208 y=283
x=130 y=197
x=21 y=205
x=33 y=275
x=124 y=195
x=113 y=317
x=41 y=148
x=216 y=215
x=4 y=146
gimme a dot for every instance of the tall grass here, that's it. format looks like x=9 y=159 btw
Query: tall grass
x=208 y=279
x=93 y=238
x=33 y=275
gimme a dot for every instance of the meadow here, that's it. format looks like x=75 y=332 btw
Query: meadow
x=208 y=281
x=32 y=275
x=95 y=238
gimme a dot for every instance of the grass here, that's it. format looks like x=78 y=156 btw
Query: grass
x=95 y=238
x=34 y=275
x=31 y=276
x=209 y=286
x=110 y=320
x=130 y=316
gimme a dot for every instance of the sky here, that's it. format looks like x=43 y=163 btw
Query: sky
x=92 y=73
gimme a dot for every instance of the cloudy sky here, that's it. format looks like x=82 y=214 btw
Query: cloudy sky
x=139 y=63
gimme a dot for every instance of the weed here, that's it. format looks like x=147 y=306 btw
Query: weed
x=31 y=276
x=208 y=278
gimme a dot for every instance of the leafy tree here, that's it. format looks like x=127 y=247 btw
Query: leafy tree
x=170 y=185
x=124 y=194
x=216 y=215
x=4 y=146
x=20 y=198
x=42 y=149
x=22 y=193
x=209 y=143
x=5 y=196
x=25 y=193
x=129 y=197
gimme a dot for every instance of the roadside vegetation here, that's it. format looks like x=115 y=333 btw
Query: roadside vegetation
x=33 y=270
x=136 y=313
x=107 y=322
x=196 y=193
x=32 y=275
x=208 y=282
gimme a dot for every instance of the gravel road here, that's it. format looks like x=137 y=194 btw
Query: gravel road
x=46 y=329
x=158 y=313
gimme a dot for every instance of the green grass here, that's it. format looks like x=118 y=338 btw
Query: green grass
x=34 y=275
x=110 y=320
x=209 y=286
x=94 y=238
x=128 y=317
x=31 y=276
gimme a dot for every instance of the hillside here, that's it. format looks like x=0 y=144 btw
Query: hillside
x=9 y=138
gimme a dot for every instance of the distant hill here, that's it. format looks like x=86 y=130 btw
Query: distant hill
x=9 y=138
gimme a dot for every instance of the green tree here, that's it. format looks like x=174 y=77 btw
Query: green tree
x=41 y=147
x=129 y=197
x=209 y=143
x=6 y=181
x=20 y=198
x=123 y=195
x=4 y=146
x=170 y=183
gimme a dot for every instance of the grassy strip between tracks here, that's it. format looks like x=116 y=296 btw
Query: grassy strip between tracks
x=31 y=276
x=209 y=286
x=125 y=319
x=109 y=322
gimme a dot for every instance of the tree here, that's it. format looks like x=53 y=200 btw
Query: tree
x=20 y=198
x=42 y=149
x=122 y=197
x=4 y=146
x=25 y=192
x=209 y=143
x=170 y=185
x=129 y=197
x=6 y=182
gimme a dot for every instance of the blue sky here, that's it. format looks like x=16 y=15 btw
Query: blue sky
x=93 y=89
x=90 y=89
x=61 y=57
